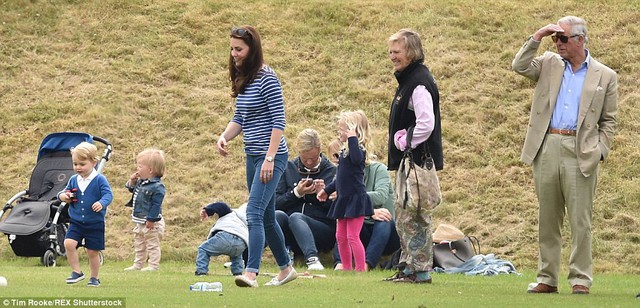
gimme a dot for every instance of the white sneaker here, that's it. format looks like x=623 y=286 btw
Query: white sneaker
x=132 y=268
x=338 y=267
x=315 y=266
x=149 y=269
x=227 y=264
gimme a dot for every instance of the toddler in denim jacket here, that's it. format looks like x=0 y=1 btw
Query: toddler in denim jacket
x=148 y=193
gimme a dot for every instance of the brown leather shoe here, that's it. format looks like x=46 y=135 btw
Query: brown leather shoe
x=543 y=288
x=580 y=289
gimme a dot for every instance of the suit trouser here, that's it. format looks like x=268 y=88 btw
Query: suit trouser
x=560 y=185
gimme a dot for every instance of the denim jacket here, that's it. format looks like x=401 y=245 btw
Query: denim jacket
x=148 y=203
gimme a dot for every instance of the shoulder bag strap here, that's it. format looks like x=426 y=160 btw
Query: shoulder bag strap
x=475 y=243
x=408 y=153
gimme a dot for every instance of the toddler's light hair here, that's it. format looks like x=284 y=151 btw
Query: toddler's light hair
x=85 y=151
x=333 y=149
x=153 y=158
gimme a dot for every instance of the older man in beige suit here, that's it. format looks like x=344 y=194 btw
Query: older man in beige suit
x=571 y=127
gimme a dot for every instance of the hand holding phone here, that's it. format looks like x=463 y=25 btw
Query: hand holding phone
x=305 y=186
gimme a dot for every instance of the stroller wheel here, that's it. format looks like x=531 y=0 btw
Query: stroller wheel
x=49 y=258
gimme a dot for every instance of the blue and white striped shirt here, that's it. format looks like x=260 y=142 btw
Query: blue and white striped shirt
x=259 y=110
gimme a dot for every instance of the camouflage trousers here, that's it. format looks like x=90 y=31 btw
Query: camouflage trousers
x=416 y=240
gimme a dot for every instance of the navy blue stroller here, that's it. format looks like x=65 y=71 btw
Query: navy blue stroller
x=37 y=224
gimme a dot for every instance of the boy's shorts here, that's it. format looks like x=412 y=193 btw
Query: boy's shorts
x=93 y=234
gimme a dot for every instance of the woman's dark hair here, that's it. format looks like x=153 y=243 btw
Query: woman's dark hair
x=251 y=65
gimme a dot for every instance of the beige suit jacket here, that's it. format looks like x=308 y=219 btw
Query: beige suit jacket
x=596 y=115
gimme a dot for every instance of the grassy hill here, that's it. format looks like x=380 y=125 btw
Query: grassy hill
x=153 y=73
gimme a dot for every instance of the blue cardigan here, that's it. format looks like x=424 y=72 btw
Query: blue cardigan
x=98 y=190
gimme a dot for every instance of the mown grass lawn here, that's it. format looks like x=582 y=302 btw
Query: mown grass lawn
x=144 y=73
x=169 y=287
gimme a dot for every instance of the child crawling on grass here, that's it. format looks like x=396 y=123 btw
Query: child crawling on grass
x=228 y=236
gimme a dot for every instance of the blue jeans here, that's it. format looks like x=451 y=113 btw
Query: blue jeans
x=261 y=213
x=309 y=234
x=289 y=240
x=379 y=238
x=221 y=243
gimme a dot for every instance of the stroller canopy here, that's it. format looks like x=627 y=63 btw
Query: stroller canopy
x=63 y=141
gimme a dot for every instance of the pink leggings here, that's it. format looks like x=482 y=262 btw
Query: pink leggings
x=348 y=238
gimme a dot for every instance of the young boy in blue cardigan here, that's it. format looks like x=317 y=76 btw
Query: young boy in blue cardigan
x=88 y=194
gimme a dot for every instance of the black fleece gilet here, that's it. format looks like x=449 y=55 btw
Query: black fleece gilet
x=401 y=117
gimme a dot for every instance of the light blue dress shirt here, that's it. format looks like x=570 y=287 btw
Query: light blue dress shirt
x=565 y=114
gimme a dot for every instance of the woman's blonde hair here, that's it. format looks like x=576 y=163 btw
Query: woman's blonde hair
x=411 y=41
x=308 y=139
x=153 y=158
x=85 y=151
x=358 y=119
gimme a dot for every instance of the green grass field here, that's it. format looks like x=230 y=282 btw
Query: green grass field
x=169 y=287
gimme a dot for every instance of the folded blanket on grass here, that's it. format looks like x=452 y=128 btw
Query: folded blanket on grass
x=486 y=265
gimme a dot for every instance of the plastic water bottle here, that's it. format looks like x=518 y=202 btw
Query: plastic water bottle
x=206 y=287
x=196 y=286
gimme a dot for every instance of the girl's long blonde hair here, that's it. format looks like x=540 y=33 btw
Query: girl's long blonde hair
x=358 y=119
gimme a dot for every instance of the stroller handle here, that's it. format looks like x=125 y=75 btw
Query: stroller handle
x=106 y=155
x=102 y=140
x=9 y=204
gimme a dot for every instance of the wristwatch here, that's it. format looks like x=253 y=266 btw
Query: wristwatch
x=269 y=159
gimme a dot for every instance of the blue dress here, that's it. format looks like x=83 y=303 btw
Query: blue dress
x=352 y=200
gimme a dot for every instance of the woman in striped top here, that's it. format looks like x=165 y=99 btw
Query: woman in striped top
x=259 y=115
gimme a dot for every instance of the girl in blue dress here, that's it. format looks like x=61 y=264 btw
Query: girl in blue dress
x=352 y=203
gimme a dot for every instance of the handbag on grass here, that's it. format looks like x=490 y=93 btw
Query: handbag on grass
x=452 y=254
x=419 y=184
